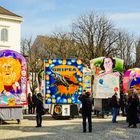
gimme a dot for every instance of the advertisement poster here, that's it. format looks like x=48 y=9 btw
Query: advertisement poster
x=13 y=79
x=63 y=81
x=106 y=71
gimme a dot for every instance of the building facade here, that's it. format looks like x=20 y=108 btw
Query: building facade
x=10 y=30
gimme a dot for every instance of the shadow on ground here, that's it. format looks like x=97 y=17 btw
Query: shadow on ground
x=103 y=129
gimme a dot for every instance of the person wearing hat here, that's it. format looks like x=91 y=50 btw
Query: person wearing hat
x=87 y=102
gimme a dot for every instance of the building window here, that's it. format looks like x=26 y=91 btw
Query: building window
x=4 y=35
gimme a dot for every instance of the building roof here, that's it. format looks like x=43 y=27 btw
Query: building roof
x=4 y=11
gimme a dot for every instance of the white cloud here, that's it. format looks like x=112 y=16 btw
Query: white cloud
x=125 y=16
x=127 y=21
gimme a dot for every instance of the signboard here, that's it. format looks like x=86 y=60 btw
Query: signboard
x=13 y=79
x=106 y=76
x=65 y=110
x=63 y=81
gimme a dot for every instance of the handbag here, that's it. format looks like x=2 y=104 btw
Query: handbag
x=43 y=111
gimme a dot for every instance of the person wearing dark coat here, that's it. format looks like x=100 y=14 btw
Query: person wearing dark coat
x=123 y=104
x=115 y=107
x=29 y=104
x=33 y=102
x=87 y=102
x=132 y=117
x=39 y=107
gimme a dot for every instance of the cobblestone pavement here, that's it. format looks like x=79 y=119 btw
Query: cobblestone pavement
x=103 y=129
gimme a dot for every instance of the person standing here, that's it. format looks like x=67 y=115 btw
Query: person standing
x=33 y=102
x=29 y=103
x=115 y=107
x=122 y=104
x=39 y=107
x=87 y=102
x=132 y=118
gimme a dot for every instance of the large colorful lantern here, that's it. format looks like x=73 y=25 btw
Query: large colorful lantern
x=106 y=76
x=63 y=81
x=13 y=79
x=131 y=80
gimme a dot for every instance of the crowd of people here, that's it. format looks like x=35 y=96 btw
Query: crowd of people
x=127 y=104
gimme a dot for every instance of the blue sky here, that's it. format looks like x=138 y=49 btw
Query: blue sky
x=44 y=17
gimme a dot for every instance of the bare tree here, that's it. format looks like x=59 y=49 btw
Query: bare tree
x=137 y=64
x=59 y=45
x=91 y=36
x=96 y=34
x=126 y=49
x=65 y=46
x=31 y=57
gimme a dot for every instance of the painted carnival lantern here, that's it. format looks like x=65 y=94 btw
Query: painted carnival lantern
x=106 y=76
x=131 y=80
x=13 y=78
x=63 y=80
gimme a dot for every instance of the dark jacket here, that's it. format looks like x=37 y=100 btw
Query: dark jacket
x=87 y=102
x=34 y=98
x=39 y=105
x=114 y=102
x=132 y=110
x=29 y=100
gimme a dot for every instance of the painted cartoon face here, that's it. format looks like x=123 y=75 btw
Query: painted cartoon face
x=8 y=74
x=108 y=64
x=10 y=70
x=23 y=73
